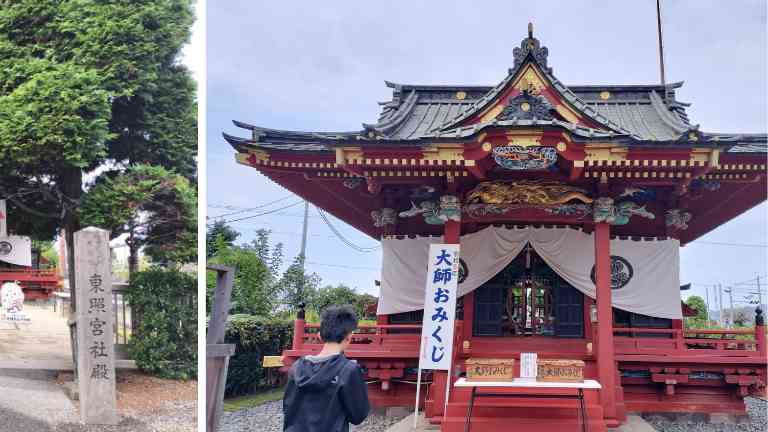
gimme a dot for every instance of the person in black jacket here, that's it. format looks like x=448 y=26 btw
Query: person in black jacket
x=326 y=391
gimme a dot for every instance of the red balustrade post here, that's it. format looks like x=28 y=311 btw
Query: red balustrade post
x=298 y=329
x=759 y=332
x=679 y=334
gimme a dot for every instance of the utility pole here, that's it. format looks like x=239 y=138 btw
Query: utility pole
x=706 y=294
x=759 y=293
x=661 y=48
x=729 y=290
x=303 y=255
x=720 y=303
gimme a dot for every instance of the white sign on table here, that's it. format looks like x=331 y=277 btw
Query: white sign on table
x=528 y=366
x=439 y=312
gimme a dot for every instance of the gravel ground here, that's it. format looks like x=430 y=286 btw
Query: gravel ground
x=173 y=417
x=757 y=421
x=33 y=401
x=268 y=417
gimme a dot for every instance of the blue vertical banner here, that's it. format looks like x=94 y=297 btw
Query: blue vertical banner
x=439 y=307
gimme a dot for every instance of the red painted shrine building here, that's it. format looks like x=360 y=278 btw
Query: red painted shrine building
x=20 y=262
x=570 y=204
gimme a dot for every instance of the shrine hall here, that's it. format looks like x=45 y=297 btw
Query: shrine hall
x=570 y=204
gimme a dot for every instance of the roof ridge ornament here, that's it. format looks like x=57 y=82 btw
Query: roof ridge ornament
x=531 y=45
x=526 y=106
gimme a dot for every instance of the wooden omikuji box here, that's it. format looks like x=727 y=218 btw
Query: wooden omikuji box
x=490 y=369
x=560 y=370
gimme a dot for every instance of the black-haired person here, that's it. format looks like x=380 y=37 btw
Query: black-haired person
x=326 y=391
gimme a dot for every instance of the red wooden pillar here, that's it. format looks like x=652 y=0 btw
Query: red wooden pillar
x=298 y=329
x=451 y=235
x=606 y=368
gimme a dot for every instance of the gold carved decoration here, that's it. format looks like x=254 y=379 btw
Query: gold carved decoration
x=259 y=155
x=460 y=95
x=525 y=192
x=605 y=95
x=524 y=138
x=525 y=106
x=605 y=152
x=446 y=152
x=492 y=114
x=530 y=80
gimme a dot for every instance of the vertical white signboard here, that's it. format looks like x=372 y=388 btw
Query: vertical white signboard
x=439 y=312
x=95 y=324
x=439 y=307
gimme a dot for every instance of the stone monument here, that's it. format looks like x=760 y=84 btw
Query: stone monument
x=95 y=323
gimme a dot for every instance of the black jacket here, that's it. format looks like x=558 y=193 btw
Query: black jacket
x=324 y=396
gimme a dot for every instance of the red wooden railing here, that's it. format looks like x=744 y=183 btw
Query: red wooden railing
x=377 y=334
x=29 y=275
x=750 y=342
x=692 y=341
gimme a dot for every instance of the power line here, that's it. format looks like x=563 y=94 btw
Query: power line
x=748 y=280
x=341 y=236
x=341 y=266
x=263 y=213
x=244 y=209
x=757 y=245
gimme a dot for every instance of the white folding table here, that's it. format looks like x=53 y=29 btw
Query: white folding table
x=531 y=384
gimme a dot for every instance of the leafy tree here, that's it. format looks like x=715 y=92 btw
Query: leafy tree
x=334 y=295
x=297 y=286
x=271 y=255
x=342 y=295
x=47 y=252
x=255 y=290
x=82 y=84
x=155 y=207
x=700 y=320
x=363 y=301
x=219 y=229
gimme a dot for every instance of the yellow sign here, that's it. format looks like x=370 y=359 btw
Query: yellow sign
x=272 y=361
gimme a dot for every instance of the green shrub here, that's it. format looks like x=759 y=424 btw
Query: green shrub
x=165 y=341
x=254 y=337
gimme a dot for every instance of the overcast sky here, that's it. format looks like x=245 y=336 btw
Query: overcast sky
x=322 y=65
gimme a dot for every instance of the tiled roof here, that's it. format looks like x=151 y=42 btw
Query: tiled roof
x=637 y=114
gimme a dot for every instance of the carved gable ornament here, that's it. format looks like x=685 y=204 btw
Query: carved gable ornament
x=526 y=106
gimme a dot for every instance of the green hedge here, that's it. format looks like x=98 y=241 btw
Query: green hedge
x=254 y=337
x=165 y=341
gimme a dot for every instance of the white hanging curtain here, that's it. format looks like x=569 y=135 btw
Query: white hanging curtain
x=647 y=271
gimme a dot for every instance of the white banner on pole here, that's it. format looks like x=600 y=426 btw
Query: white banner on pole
x=436 y=348
x=439 y=306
